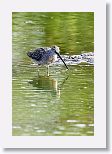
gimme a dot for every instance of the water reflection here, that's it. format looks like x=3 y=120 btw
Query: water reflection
x=48 y=83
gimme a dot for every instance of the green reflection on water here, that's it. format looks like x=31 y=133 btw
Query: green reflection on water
x=63 y=103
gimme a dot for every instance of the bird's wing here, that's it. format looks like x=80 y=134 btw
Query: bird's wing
x=38 y=53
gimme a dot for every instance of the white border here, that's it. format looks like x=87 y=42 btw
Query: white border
x=99 y=9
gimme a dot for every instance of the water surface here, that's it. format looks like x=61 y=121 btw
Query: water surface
x=61 y=104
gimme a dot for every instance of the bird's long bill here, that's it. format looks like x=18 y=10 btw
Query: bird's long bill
x=61 y=59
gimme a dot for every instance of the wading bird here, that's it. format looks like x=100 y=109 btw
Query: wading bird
x=46 y=56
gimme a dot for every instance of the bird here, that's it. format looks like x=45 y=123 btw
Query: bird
x=46 y=55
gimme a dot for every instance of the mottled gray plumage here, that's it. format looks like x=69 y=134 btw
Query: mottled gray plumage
x=45 y=55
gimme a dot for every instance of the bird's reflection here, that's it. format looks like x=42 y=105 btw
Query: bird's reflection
x=47 y=83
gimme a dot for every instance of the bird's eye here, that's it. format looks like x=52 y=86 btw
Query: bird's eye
x=53 y=47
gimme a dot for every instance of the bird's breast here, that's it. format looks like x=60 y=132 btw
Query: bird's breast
x=53 y=58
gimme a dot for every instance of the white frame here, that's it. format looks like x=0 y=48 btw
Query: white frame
x=99 y=138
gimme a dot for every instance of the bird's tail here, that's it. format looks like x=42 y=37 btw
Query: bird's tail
x=29 y=54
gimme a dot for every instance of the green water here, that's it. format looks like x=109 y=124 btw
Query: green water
x=61 y=104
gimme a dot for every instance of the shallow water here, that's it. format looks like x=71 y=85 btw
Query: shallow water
x=61 y=104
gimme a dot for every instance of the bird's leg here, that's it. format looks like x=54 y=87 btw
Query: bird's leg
x=38 y=70
x=47 y=70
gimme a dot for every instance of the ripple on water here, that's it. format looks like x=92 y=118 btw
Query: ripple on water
x=91 y=125
x=57 y=132
x=72 y=121
x=61 y=128
x=28 y=22
x=16 y=127
x=79 y=125
x=40 y=131
x=36 y=128
x=73 y=133
x=33 y=105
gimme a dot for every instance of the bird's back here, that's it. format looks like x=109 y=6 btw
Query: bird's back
x=37 y=54
x=41 y=55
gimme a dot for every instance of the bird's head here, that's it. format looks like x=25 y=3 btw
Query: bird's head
x=55 y=48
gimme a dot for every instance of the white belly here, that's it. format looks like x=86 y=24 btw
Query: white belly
x=55 y=57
